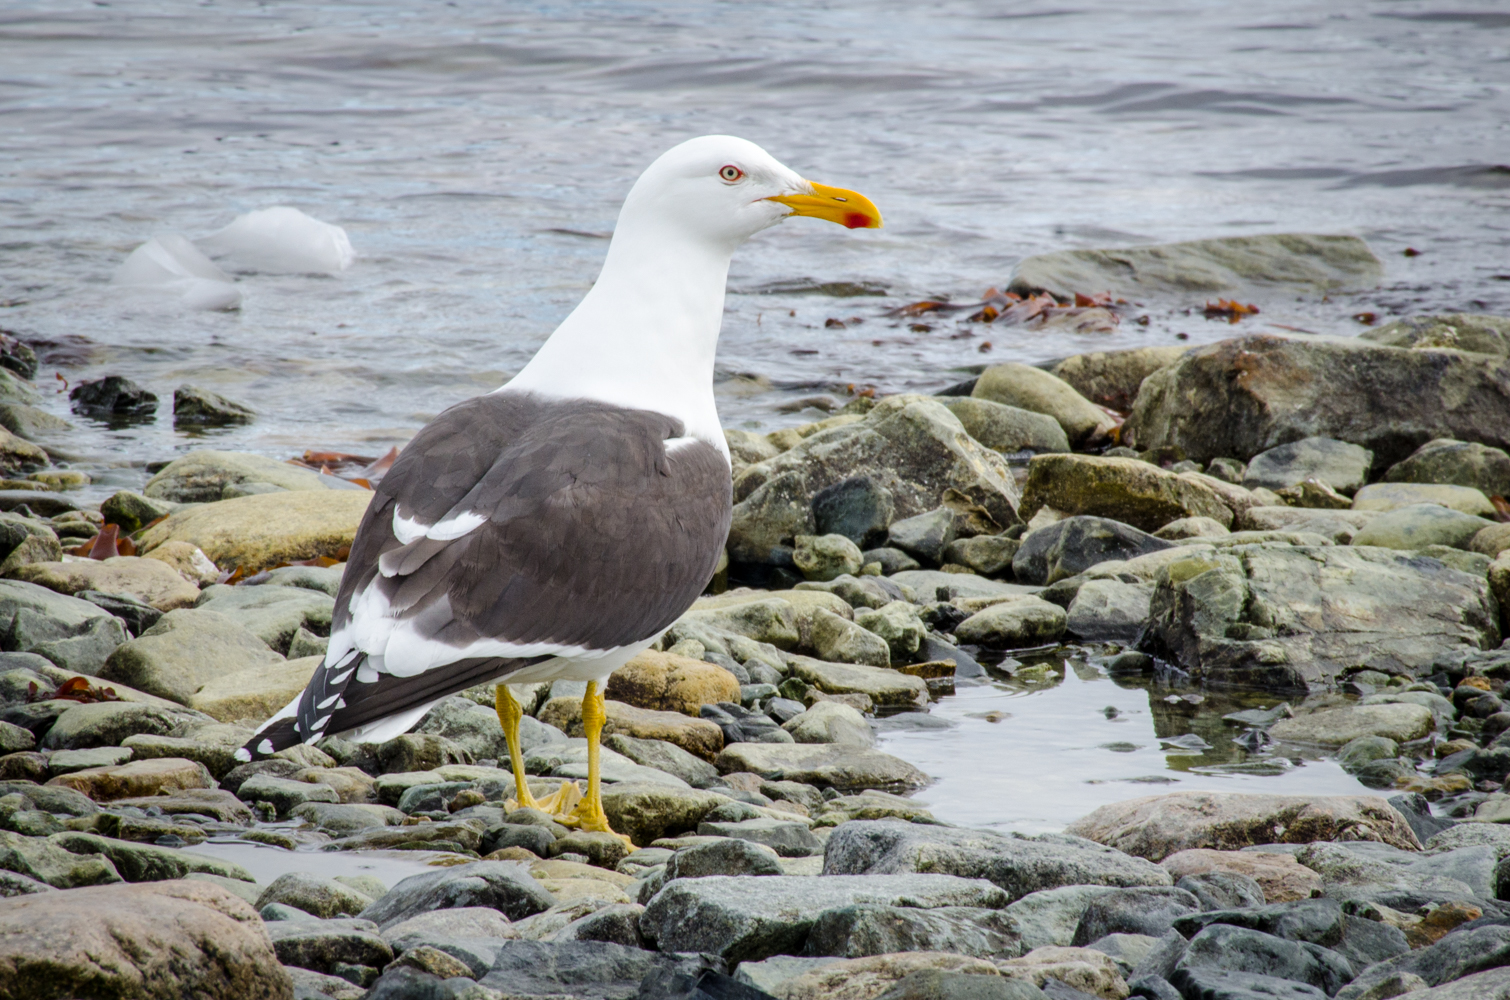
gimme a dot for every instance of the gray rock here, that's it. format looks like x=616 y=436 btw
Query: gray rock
x=834 y=765
x=1493 y=984
x=768 y=518
x=1075 y=544
x=317 y=896
x=858 y=508
x=892 y=560
x=1290 y=618
x=538 y=840
x=744 y=725
x=1126 y=949
x=664 y=756
x=504 y=887
x=195 y=406
x=1461 y=331
x=272 y=614
x=924 y=536
x=73 y=634
x=730 y=856
x=831 y=722
x=874 y=929
x=770 y=973
x=344 y=819
x=788 y=838
x=13 y=884
x=1223 y=984
x=1109 y=611
x=436 y=927
x=988 y=555
x=1420 y=525
x=1385 y=399
x=1029 y=388
x=617 y=923
x=1019 y=864
x=926 y=583
x=476 y=728
x=283 y=793
x=326 y=945
x=1228 y=265
x=1007 y=429
x=422 y=752
x=1028 y=621
x=1458 y=463
x=1223 y=890
x=325 y=579
x=1112 y=378
x=69 y=761
x=109 y=723
x=1049 y=917
x=184 y=651
x=882 y=686
x=1366 y=750
x=202 y=476
x=1149 y=910
x=1455 y=956
x=1342 y=466
x=1238 y=949
x=589 y=970
x=896 y=622
x=745 y=919
x=1347 y=874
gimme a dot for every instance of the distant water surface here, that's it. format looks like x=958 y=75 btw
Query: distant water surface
x=477 y=154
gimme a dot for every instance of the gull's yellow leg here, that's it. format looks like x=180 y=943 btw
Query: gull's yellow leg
x=589 y=813
x=509 y=714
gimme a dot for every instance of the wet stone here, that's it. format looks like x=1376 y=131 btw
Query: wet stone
x=858 y=508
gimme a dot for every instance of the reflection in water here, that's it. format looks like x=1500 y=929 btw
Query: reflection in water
x=1060 y=738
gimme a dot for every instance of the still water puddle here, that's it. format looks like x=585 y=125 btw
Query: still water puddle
x=1033 y=755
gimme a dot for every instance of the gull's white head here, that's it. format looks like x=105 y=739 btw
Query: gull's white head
x=722 y=190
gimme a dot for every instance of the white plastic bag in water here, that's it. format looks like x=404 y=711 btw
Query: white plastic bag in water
x=173 y=265
x=281 y=240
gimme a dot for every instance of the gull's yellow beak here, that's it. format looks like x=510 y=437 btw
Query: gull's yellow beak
x=849 y=209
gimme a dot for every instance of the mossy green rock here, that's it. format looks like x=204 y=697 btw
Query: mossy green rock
x=1122 y=489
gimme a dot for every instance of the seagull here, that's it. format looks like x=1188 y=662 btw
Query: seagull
x=557 y=526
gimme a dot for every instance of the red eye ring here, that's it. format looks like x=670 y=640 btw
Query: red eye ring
x=730 y=173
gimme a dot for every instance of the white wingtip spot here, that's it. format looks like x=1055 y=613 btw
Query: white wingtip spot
x=244 y=755
x=266 y=747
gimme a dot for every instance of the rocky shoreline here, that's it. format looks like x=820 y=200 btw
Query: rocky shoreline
x=1319 y=519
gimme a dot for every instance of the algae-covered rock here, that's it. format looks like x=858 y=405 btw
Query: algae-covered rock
x=1123 y=489
x=148 y=580
x=1342 y=466
x=183 y=652
x=1290 y=618
x=1112 y=378
x=1458 y=463
x=666 y=682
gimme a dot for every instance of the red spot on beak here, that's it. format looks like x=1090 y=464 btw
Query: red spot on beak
x=856 y=220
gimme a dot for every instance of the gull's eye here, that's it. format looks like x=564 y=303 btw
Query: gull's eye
x=731 y=173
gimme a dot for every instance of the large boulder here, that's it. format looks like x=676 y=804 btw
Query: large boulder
x=1239 y=397
x=202 y=476
x=1294 y=617
x=1123 y=489
x=507 y=888
x=1018 y=864
x=164 y=940
x=1229 y=265
x=253 y=533
x=1033 y=389
x=912 y=446
x=747 y=919
x=1112 y=378
x=1157 y=826
x=256 y=692
x=1459 y=463
x=272 y=614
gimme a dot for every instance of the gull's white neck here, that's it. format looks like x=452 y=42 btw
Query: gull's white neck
x=646 y=333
